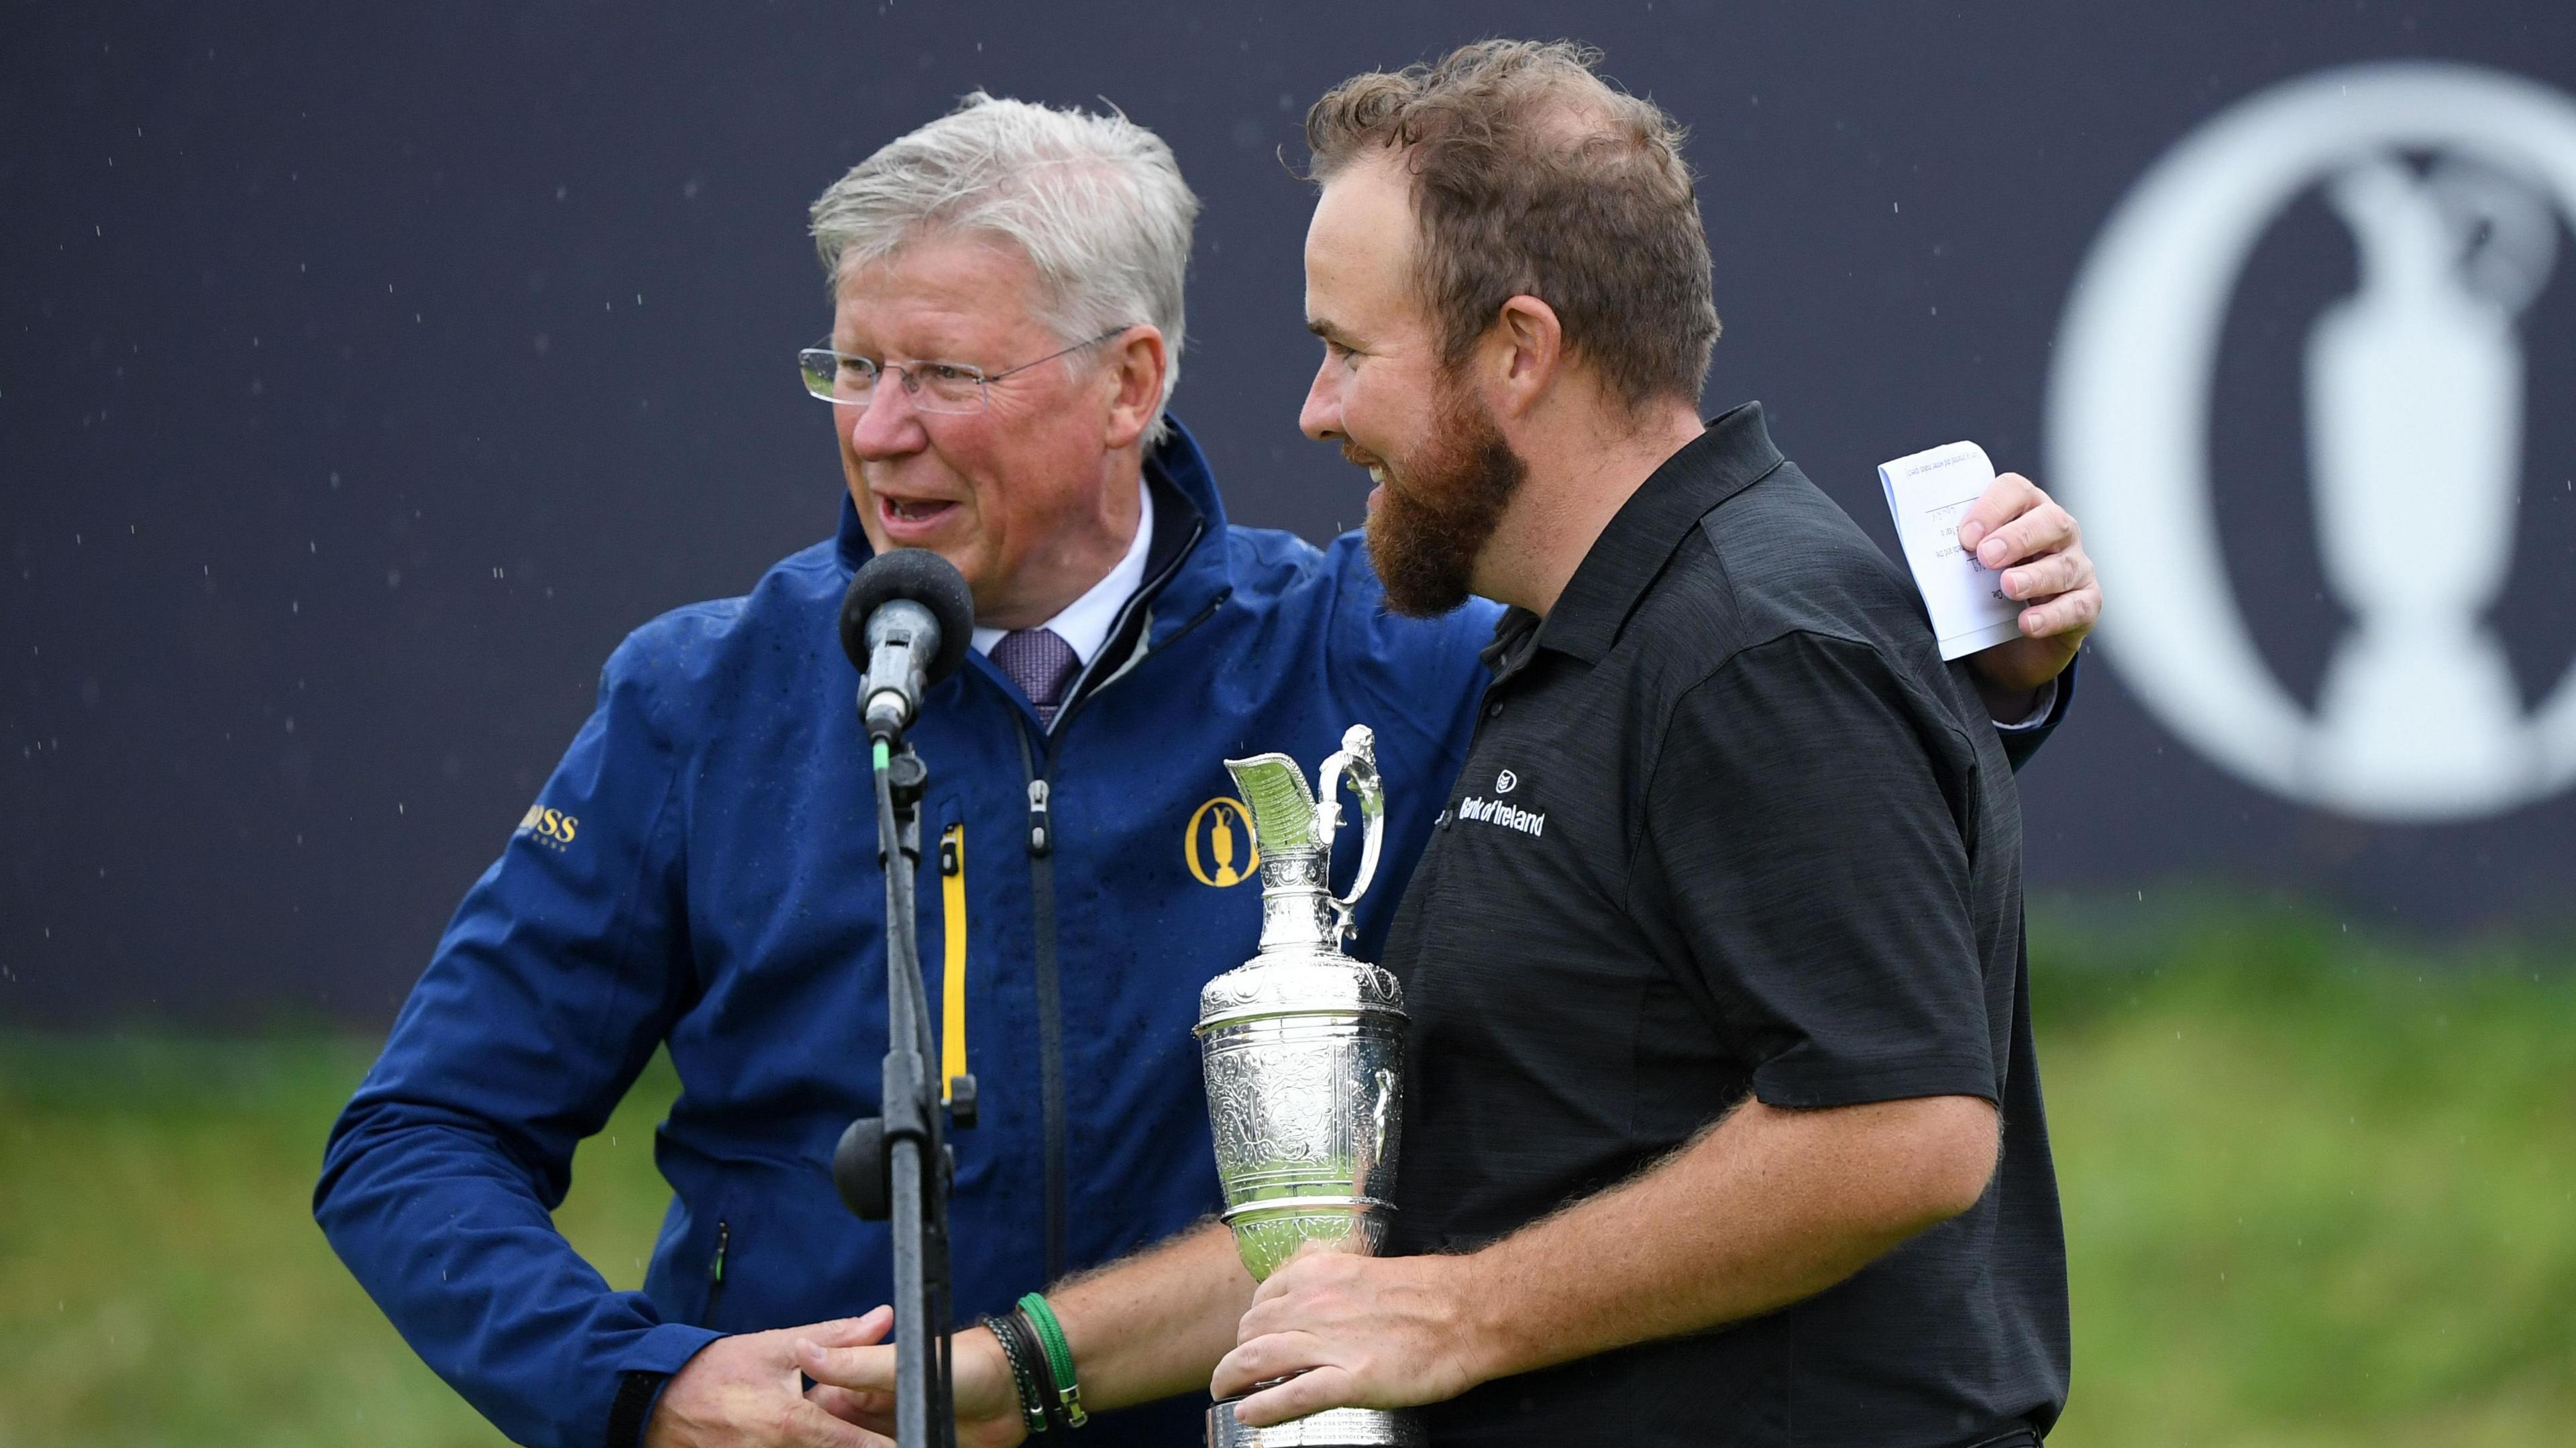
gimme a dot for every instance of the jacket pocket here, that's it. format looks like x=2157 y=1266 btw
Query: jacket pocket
x=716 y=1272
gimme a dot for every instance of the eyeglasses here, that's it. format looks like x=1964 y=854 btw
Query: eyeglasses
x=948 y=387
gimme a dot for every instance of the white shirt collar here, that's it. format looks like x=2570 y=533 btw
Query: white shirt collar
x=1086 y=621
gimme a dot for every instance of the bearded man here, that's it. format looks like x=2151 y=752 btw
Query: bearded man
x=1709 y=1081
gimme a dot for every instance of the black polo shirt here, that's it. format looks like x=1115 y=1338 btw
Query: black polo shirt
x=1729 y=825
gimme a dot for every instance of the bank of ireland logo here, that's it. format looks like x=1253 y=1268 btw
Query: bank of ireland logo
x=1506 y=782
x=1219 y=846
x=2451 y=180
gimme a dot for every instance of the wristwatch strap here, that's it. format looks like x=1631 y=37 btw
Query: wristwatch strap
x=632 y=1409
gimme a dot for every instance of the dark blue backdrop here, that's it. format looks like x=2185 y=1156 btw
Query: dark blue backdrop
x=367 y=371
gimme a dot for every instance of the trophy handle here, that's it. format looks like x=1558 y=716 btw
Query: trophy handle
x=1356 y=762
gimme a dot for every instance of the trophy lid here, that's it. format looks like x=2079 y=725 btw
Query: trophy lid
x=1293 y=831
x=1281 y=806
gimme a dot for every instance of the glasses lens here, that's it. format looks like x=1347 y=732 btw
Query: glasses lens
x=817 y=366
x=947 y=387
x=835 y=378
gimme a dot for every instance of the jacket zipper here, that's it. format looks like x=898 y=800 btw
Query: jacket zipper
x=1042 y=779
x=716 y=1274
x=1041 y=846
x=1041 y=833
x=1050 y=1007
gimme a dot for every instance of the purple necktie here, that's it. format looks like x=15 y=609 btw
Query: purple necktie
x=1042 y=664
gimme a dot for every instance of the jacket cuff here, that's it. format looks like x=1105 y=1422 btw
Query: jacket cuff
x=643 y=1371
x=666 y=1348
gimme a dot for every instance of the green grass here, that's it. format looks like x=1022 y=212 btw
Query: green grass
x=2319 y=1190
x=161 y=1279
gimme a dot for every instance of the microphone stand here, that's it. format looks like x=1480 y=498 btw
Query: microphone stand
x=898 y=1165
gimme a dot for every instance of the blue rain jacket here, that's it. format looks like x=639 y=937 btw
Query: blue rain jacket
x=701 y=869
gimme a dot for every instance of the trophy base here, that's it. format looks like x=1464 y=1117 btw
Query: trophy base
x=1331 y=1428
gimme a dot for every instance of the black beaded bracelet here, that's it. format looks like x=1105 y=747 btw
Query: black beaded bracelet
x=1017 y=1353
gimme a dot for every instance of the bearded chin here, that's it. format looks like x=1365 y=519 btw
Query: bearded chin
x=1424 y=538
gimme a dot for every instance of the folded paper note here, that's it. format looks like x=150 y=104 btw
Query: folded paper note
x=1929 y=492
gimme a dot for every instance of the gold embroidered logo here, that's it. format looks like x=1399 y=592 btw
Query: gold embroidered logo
x=549 y=827
x=1219 y=845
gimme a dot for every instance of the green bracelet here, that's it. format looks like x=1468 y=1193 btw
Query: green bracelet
x=1059 y=1355
x=1024 y=1378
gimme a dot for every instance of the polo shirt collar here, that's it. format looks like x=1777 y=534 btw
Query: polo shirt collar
x=1731 y=455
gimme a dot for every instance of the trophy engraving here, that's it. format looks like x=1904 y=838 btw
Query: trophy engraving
x=1303 y=1049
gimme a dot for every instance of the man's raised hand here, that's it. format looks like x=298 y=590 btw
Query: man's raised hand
x=747 y=1392
x=2023 y=534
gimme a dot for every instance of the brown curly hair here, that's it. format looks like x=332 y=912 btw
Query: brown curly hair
x=1531 y=175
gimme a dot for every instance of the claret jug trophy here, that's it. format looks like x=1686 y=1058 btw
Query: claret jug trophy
x=1304 y=1053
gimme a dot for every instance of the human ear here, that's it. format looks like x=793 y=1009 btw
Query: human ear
x=1528 y=346
x=1135 y=372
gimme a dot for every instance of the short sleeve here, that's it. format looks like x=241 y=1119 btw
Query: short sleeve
x=1805 y=859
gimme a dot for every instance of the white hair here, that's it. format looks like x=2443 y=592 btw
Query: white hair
x=1096 y=203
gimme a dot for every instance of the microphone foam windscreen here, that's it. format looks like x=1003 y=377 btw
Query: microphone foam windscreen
x=923 y=577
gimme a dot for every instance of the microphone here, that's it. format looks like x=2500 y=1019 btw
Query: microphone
x=905 y=623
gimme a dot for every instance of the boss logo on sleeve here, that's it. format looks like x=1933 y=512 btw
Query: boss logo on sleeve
x=549 y=827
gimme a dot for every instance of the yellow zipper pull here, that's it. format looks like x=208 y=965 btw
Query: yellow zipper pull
x=952 y=1026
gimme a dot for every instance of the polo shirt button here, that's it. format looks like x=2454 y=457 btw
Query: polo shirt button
x=1494 y=710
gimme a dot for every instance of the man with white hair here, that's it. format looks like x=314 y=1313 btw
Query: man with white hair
x=699 y=872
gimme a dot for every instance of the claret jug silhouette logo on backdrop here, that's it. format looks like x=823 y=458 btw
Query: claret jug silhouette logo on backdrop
x=2451 y=180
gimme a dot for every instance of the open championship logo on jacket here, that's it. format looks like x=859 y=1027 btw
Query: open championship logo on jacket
x=2452 y=181
x=1218 y=846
